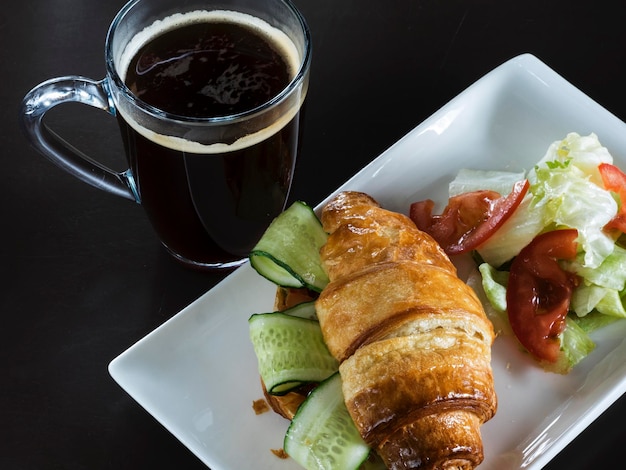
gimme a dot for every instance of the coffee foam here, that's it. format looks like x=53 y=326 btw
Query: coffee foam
x=286 y=46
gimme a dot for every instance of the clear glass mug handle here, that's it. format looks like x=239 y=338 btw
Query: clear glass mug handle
x=74 y=89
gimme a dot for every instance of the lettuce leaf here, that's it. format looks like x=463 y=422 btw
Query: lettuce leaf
x=611 y=273
x=468 y=180
x=514 y=234
x=594 y=321
x=490 y=286
x=575 y=344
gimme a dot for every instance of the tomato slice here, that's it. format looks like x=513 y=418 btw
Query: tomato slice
x=469 y=219
x=615 y=180
x=461 y=216
x=539 y=292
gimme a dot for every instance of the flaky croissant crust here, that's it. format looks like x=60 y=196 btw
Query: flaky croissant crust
x=412 y=339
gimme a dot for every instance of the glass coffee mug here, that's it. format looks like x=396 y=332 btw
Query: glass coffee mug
x=208 y=96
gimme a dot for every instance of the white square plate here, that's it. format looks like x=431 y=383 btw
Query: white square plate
x=197 y=373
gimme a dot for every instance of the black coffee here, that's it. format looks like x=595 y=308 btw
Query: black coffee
x=208 y=69
x=207 y=205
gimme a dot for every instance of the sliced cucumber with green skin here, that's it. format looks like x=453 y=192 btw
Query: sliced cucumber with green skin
x=322 y=435
x=303 y=310
x=288 y=252
x=290 y=351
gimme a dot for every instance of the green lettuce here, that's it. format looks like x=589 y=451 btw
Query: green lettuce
x=575 y=344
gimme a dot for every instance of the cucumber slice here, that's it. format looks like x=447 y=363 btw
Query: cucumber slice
x=290 y=351
x=322 y=435
x=288 y=252
x=303 y=310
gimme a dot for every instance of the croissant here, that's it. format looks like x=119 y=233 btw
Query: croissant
x=412 y=339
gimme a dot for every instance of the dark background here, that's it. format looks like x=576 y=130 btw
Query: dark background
x=82 y=276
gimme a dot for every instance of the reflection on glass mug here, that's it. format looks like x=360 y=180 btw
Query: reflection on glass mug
x=208 y=97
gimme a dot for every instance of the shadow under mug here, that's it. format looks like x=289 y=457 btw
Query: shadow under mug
x=209 y=185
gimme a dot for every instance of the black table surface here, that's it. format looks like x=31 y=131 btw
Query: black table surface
x=82 y=274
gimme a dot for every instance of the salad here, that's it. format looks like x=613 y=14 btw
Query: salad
x=549 y=244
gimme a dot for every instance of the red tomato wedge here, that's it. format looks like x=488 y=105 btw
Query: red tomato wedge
x=615 y=180
x=469 y=219
x=539 y=292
